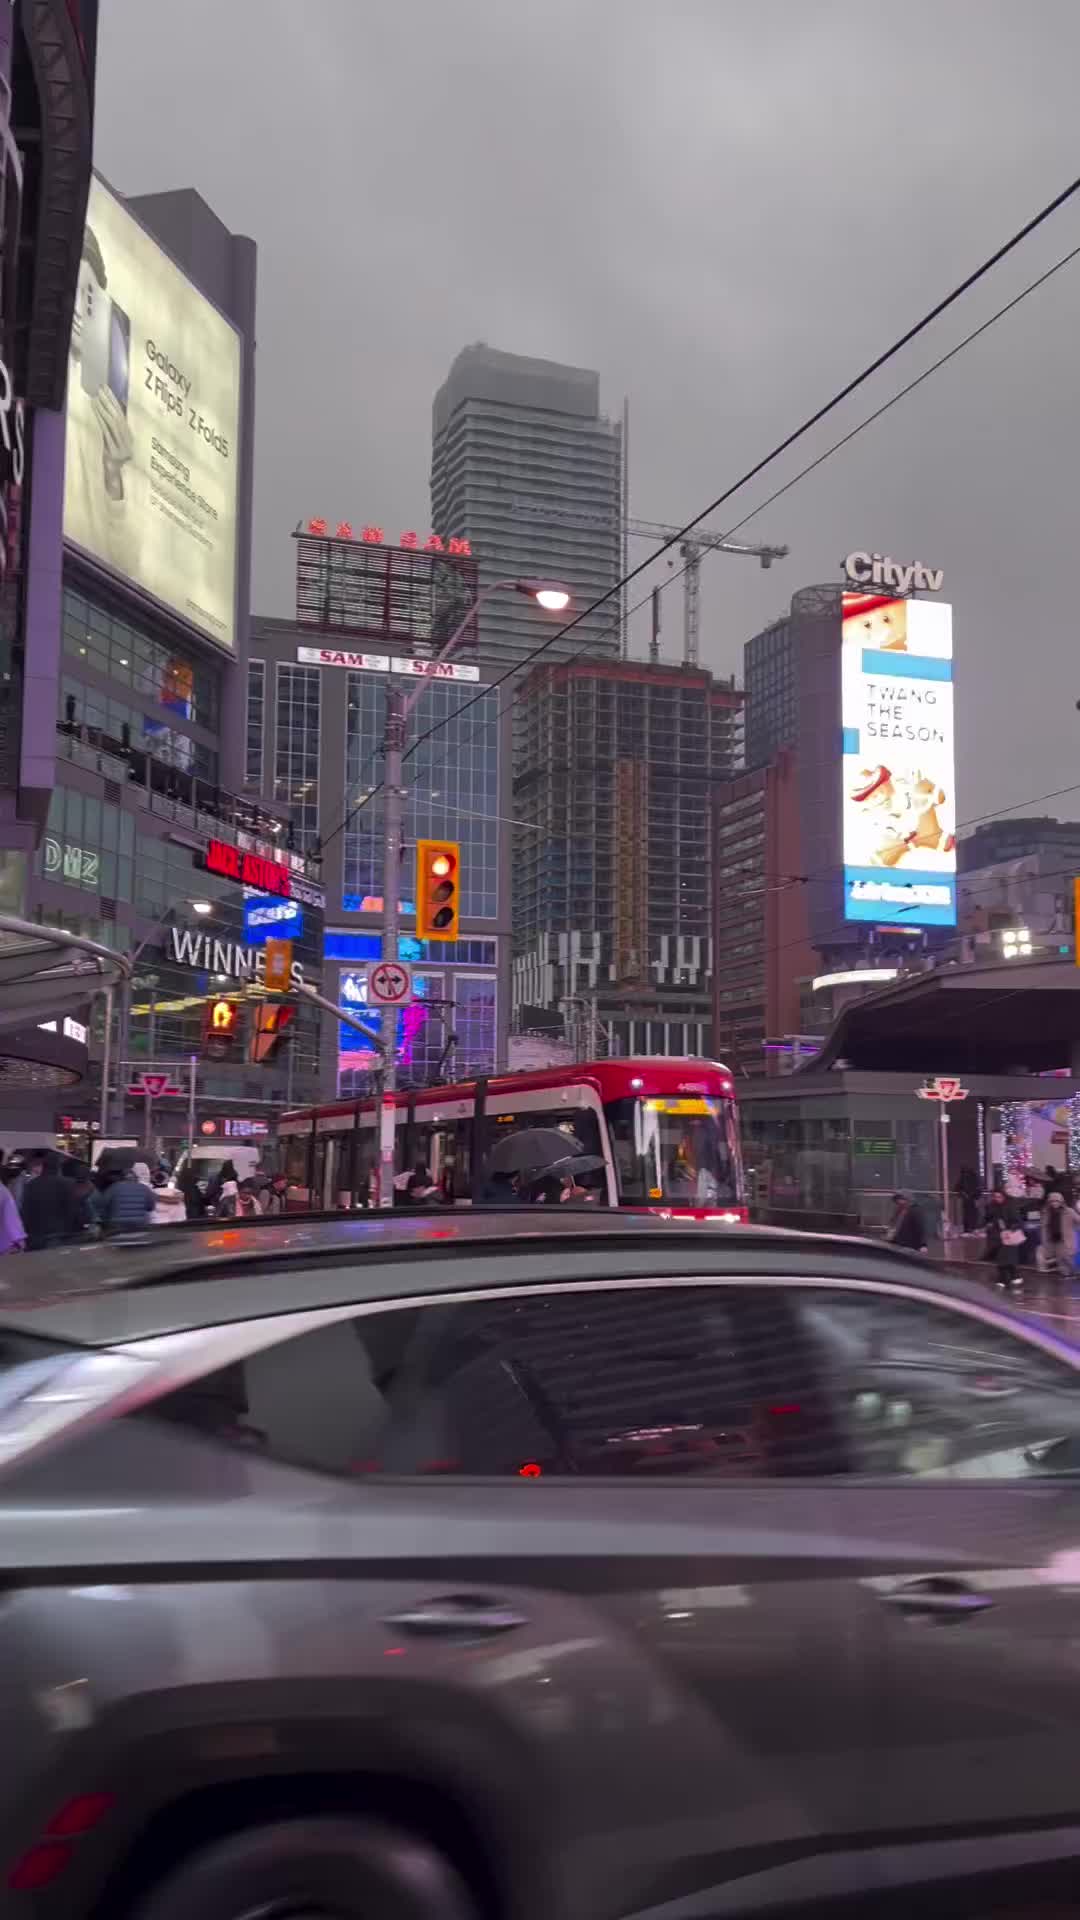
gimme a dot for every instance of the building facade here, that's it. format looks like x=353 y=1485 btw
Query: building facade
x=148 y=844
x=614 y=773
x=994 y=842
x=314 y=745
x=762 y=958
x=528 y=470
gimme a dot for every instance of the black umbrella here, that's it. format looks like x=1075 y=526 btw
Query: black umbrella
x=533 y=1150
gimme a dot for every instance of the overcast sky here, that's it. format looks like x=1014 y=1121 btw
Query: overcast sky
x=726 y=209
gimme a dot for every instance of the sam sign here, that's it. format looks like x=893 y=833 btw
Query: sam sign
x=899 y=778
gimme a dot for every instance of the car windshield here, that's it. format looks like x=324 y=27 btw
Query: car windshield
x=679 y=1151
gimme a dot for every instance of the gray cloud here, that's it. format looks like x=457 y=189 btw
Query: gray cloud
x=725 y=209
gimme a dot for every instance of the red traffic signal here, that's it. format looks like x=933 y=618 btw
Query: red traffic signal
x=438 y=889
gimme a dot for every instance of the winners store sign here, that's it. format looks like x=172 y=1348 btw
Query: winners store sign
x=204 y=954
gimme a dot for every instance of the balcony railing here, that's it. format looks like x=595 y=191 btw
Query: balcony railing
x=172 y=793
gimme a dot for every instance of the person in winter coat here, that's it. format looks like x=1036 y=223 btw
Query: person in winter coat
x=12 y=1231
x=227 y=1203
x=50 y=1208
x=1005 y=1237
x=126 y=1205
x=1057 y=1251
x=908 y=1227
x=170 y=1207
x=194 y=1198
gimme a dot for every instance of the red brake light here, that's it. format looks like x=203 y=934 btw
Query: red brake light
x=79 y=1815
x=532 y=1470
x=39 y=1866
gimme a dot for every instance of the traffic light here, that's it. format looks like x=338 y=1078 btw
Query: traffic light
x=438 y=889
x=221 y=1023
x=269 y=1028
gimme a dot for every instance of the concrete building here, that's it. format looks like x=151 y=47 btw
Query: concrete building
x=615 y=768
x=315 y=722
x=526 y=467
x=993 y=842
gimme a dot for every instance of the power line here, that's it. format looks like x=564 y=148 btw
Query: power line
x=791 y=439
x=674 y=539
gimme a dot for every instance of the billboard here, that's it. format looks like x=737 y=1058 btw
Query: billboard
x=153 y=418
x=899 y=783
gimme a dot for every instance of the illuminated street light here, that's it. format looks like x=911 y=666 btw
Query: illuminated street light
x=1016 y=943
x=547 y=593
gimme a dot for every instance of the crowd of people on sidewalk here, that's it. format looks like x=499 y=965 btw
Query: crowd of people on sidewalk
x=1029 y=1220
x=47 y=1200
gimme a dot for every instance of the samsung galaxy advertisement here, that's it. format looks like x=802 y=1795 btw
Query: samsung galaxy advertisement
x=153 y=412
x=898 y=769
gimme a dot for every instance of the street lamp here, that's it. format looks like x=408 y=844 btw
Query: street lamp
x=554 y=598
x=123 y=1021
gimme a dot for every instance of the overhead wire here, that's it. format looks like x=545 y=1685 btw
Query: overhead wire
x=811 y=466
x=674 y=539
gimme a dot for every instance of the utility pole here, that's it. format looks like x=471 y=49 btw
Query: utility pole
x=393 y=809
x=554 y=598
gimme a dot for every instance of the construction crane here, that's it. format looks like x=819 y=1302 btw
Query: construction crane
x=691 y=551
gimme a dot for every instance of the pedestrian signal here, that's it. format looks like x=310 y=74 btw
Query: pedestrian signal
x=220 y=1024
x=438 y=889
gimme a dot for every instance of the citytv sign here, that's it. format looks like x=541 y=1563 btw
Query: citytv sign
x=878 y=570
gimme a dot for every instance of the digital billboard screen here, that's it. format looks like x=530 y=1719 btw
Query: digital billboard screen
x=153 y=419
x=899 y=781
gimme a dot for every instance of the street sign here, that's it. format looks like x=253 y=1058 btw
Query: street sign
x=277 y=976
x=944 y=1089
x=152 y=1086
x=389 y=984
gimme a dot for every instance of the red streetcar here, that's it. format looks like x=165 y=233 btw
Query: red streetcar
x=666 y=1130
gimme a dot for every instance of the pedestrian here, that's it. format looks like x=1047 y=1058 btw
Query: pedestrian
x=1004 y=1237
x=78 y=1172
x=219 y=1181
x=1031 y=1217
x=227 y=1201
x=1057 y=1254
x=12 y=1231
x=248 y=1204
x=194 y=1199
x=275 y=1195
x=908 y=1228
x=50 y=1208
x=126 y=1204
x=170 y=1207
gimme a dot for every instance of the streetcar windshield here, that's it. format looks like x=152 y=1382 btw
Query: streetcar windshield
x=675 y=1151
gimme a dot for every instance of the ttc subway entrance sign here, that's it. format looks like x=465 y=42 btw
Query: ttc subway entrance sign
x=389 y=984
